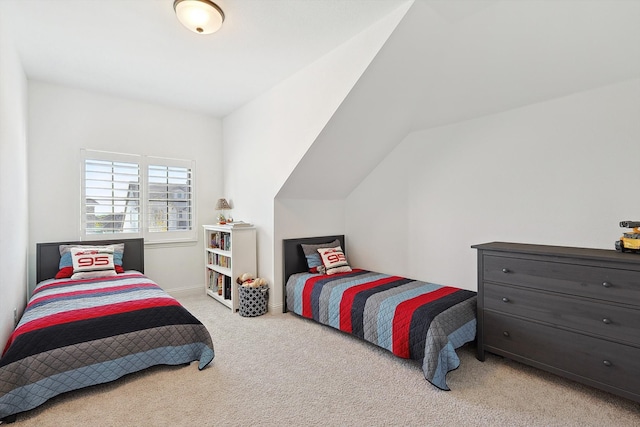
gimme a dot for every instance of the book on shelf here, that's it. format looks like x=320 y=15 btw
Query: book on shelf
x=220 y=240
x=212 y=285
x=227 y=287
x=238 y=224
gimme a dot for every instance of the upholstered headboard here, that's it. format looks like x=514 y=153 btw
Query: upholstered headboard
x=48 y=255
x=294 y=260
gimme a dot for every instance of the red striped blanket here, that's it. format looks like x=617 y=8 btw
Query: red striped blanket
x=412 y=319
x=96 y=330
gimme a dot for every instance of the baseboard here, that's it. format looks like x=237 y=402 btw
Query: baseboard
x=199 y=290
x=276 y=308
x=184 y=292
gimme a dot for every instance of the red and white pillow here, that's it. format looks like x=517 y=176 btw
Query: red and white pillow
x=65 y=268
x=313 y=258
x=92 y=262
x=334 y=260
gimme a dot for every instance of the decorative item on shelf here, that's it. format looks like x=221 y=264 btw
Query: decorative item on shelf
x=199 y=16
x=630 y=241
x=222 y=205
x=238 y=224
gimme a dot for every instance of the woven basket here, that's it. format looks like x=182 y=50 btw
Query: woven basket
x=253 y=301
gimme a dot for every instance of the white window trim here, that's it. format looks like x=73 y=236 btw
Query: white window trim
x=143 y=162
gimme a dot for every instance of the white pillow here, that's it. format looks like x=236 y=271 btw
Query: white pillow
x=91 y=262
x=334 y=260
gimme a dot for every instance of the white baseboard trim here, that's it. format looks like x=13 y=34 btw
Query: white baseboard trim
x=276 y=308
x=183 y=292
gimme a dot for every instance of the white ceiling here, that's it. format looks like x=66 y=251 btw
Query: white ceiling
x=137 y=49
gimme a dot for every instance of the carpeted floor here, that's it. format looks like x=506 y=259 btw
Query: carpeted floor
x=279 y=370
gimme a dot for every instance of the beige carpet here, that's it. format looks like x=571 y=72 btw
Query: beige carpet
x=279 y=370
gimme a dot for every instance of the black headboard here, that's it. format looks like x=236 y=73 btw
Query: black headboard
x=48 y=255
x=294 y=260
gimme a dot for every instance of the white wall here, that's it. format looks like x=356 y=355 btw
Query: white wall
x=265 y=139
x=14 y=213
x=561 y=172
x=307 y=218
x=64 y=120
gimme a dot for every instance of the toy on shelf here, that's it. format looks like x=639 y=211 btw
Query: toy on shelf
x=629 y=242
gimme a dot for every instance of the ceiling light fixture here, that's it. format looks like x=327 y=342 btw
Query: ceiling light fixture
x=200 y=16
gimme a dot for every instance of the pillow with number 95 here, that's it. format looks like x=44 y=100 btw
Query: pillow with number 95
x=92 y=262
x=334 y=260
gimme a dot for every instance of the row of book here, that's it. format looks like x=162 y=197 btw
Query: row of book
x=220 y=240
x=221 y=260
x=220 y=284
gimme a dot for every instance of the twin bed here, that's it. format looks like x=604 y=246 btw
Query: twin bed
x=412 y=319
x=78 y=332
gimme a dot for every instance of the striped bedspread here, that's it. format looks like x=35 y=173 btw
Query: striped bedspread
x=78 y=333
x=412 y=319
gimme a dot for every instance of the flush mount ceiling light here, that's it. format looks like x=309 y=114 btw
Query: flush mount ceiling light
x=200 y=16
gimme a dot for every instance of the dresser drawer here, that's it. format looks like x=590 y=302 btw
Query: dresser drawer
x=609 y=284
x=612 y=364
x=607 y=320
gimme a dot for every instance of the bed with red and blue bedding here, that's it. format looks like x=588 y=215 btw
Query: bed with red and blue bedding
x=412 y=319
x=78 y=332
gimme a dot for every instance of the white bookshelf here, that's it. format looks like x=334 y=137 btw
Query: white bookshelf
x=228 y=252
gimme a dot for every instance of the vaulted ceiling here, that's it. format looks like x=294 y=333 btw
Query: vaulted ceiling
x=452 y=61
x=447 y=61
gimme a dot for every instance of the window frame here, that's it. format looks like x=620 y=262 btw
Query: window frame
x=143 y=162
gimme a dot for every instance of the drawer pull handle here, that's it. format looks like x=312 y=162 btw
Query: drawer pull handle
x=606 y=284
x=606 y=321
x=607 y=363
x=505 y=333
x=505 y=299
x=506 y=270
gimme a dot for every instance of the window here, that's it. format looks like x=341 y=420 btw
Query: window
x=169 y=197
x=137 y=196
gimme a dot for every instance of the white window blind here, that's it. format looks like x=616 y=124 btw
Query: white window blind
x=169 y=196
x=111 y=194
x=137 y=196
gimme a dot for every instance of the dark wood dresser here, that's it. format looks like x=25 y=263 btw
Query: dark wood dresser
x=571 y=311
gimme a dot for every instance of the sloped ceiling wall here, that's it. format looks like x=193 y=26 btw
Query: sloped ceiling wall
x=452 y=61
